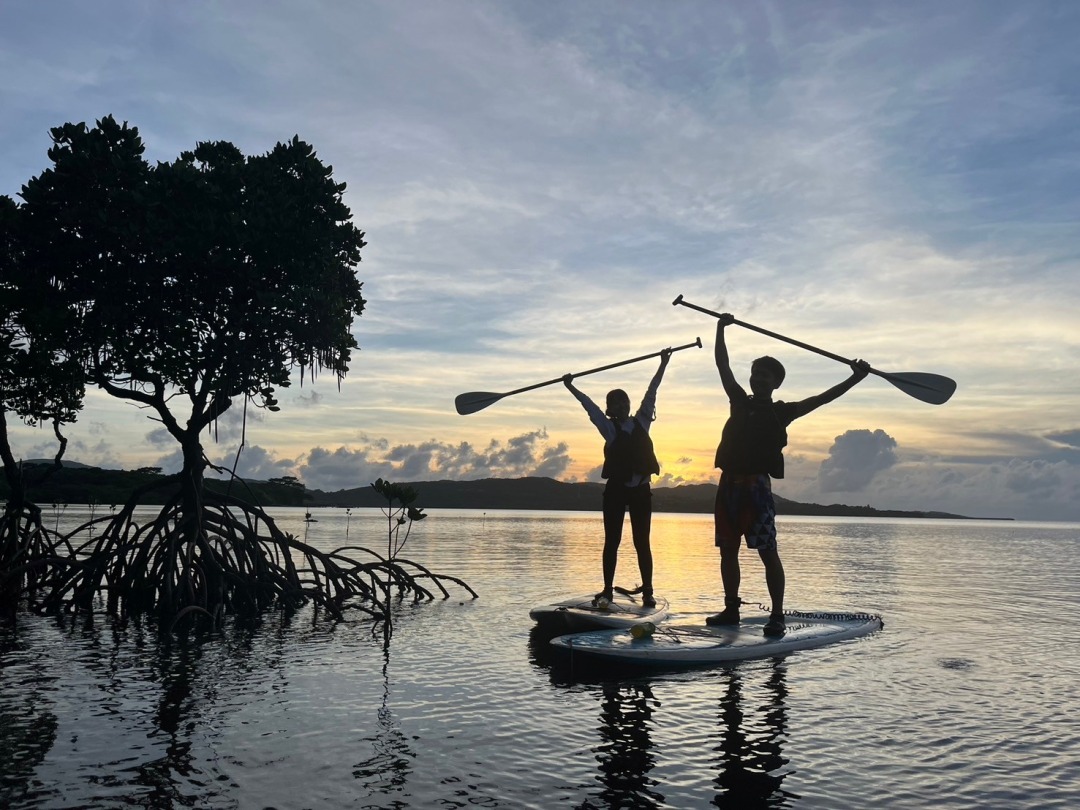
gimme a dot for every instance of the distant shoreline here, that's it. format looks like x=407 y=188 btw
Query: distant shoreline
x=549 y=494
x=79 y=483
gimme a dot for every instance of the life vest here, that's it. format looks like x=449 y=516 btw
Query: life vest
x=629 y=453
x=754 y=439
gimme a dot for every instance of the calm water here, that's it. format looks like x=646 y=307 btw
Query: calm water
x=968 y=697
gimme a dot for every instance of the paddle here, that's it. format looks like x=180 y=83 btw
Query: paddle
x=932 y=388
x=478 y=400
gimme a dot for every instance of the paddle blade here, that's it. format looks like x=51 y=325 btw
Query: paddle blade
x=932 y=388
x=475 y=401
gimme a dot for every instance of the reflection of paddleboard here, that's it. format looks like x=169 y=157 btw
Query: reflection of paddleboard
x=579 y=613
x=691 y=645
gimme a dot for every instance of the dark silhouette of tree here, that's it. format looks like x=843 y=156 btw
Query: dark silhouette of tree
x=194 y=285
x=288 y=481
x=198 y=281
x=39 y=384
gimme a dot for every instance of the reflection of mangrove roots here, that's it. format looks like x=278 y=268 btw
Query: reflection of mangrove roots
x=229 y=559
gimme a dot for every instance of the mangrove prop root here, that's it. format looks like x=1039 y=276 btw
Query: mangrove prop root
x=231 y=558
x=28 y=549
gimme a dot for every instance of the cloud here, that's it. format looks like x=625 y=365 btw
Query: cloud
x=170 y=463
x=528 y=454
x=255 y=463
x=232 y=424
x=100 y=454
x=1071 y=438
x=160 y=438
x=1032 y=489
x=229 y=428
x=1030 y=477
x=854 y=458
x=312 y=401
x=258 y=464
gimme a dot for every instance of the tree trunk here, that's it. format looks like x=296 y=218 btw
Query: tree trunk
x=18 y=522
x=12 y=470
x=188 y=543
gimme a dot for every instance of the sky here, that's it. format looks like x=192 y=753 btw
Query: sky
x=538 y=181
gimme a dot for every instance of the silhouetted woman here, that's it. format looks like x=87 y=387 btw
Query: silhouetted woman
x=629 y=461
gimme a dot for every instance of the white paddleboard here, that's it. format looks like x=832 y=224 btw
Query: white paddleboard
x=691 y=645
x=580 y=613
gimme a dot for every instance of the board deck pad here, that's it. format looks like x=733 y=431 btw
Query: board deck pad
x=579 y=613
x=691 y=645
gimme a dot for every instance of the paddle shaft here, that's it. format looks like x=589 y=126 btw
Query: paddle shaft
x=793 y=341
x=895 y=379
x=478 y=400
x=932 y=388
x=695 y=345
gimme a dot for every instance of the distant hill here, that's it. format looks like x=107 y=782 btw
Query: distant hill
x=80 y=483
x=547 y=493
x=48 y=462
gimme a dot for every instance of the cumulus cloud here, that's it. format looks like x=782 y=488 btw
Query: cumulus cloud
x=1027 y=477
x=254 y=464
x=258 y=464
x=594 y=473
x=160 y=438
x=230 y=426
x=171 y=462
x=528 y=454
x=854 y=459
x=100 y=454
x=1032 y=489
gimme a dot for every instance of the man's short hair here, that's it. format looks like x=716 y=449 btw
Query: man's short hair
x=773 y=365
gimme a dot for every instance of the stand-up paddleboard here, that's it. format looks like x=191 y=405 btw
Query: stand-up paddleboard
x=695 y=645
x=582 y=613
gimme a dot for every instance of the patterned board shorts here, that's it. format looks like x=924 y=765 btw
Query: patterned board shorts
x=745 y=506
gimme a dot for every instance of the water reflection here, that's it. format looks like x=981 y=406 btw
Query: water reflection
x=747 y=740
x=752 y=729
x=542 y=654
x=387 y=770
x=625 y=754
x=195 y=678
x=172 y=715
x=27 y=724
x=144 y=703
